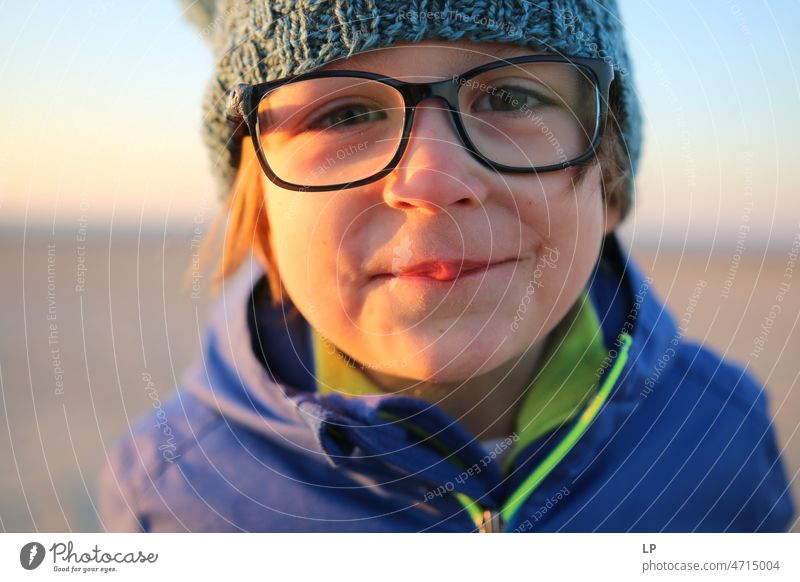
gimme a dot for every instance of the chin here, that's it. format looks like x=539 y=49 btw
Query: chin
x=449 y=361
x=439 y=375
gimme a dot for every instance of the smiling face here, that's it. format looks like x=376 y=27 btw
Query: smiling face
x=443 y=269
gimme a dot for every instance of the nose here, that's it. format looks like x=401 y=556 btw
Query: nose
x=436 y=171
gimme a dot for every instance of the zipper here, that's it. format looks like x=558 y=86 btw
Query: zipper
x=486 y=520
x=495 y=521
x=491 y=522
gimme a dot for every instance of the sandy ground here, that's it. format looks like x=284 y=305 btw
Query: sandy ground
x=72 y=359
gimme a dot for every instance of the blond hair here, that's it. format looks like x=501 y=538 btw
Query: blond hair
x=244 y=214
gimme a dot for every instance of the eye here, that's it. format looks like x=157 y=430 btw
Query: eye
x=346 y=116
x=510 y=99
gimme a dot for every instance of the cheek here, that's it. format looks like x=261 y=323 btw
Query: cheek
x=297 y=242
x=306 y=235
x=569 y=223
x=558 y=209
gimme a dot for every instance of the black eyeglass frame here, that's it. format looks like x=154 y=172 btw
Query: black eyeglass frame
x=244 y=99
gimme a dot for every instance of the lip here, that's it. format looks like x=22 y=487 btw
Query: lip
x=442 y=271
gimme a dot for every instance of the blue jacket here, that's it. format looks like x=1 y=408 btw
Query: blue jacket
x=683 y=442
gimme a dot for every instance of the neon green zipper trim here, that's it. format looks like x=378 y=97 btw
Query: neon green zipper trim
x=471 y=506
x=528 y=486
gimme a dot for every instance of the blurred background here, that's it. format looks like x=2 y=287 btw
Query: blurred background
x=105 y=188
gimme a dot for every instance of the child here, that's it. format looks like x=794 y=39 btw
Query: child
x=436 y=328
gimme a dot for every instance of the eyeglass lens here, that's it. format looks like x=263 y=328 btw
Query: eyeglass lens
x=335 y=130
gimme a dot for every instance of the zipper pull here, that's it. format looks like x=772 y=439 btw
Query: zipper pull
x=491 y=522
x=486 y=520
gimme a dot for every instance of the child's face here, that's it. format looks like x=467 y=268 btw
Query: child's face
x=336 y=251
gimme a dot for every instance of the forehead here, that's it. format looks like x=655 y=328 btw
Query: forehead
x=428 y=58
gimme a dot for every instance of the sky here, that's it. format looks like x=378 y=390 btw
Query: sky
x=101 y=112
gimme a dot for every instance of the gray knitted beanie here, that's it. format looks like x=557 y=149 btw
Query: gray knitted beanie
x=260 y=40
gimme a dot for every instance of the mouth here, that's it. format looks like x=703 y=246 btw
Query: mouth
x=442 y=271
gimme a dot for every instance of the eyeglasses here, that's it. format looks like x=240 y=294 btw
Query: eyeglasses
x=332 y=130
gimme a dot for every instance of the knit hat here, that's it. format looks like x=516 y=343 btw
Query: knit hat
x=261 y=40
